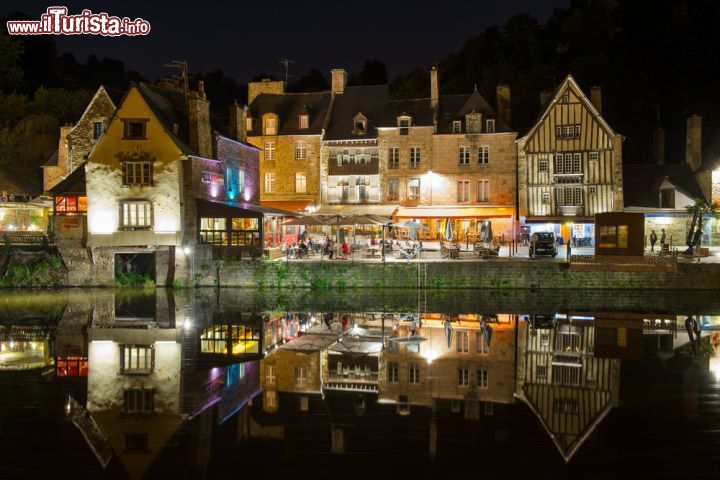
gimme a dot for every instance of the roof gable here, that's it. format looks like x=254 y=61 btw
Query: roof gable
x=575 y=95
x=288 y=107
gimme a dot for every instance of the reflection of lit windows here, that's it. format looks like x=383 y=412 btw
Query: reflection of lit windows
x=544 y=340
x=136 y=359
x=488 y=408
x=462 y=342
x=136 y=443
x=482 y=345
x=300 y=376
x=455 y=405
x=241 y=339
x=392 y=370
x=136 y=215
x=134 y=129
x=304 y=404
x=414 y=373
x=482 y=378
x=566 y=374
x=138 y=400
x=463 y=377
x=270 y=374
x=541 y=372
x=270 y=398
x=566 y=405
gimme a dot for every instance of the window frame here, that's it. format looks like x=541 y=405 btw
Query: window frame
x=483 y=187
x=269 y=179
x=415 y=157
x=149 y=215
x=303 y=121
x=143 y=178
x=483 y=156
x=463 y=191
x=464 y=155
x=462 y=342
x=457 y=126
x=419 y=189
x=301 y=149
x=300 y=182
x=393 y=157
x=490 y=125
x=414 y=373
x=483 y=378
x=138 y=401
x=128 y=134
x=463 y=377
x=149 y=357
x=269 y=151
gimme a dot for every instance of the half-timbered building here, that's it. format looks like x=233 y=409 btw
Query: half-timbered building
x=569 y=165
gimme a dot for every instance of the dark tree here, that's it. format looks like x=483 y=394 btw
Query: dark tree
x=374 y=72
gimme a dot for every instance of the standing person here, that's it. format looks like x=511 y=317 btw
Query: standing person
x=345 y=249
x=663 y=238
x=653 y=240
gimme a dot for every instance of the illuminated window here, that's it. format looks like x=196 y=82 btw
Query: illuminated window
x=359 y=124
x=483 y=154
x=249 y=124
x=137 y=174
x=463 y=191
x=300 y=376
x=456 y=126
x=413 y=189
x=392 y=371
x=270 y=182
x=300 y=182
x=134 y=129
x=300 y=150
x=393 y=189
x=393 y=157
x=414 y=373
x=490 y=126
x=71 y=366
x=213 y=230
x=244 y=231
x=463 y=377
x=271 y=399
x=70 y=204
x=241 y=339
x=304 y=404
x=241 y=180
x=483 y=190
x=414 y=157
x=138 y=400
x=270 y=126
x=136 y=215
x=303 y=121
x=136 y=359
x=269 y=151
x=464 y=155
x=482 y=378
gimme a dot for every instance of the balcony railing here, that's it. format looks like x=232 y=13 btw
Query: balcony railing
x=372 y=168
x=353 y=376
x=569 y=210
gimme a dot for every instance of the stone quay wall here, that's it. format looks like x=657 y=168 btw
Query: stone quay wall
x=448 y=275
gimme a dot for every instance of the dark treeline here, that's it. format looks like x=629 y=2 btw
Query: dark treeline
x=657 y=64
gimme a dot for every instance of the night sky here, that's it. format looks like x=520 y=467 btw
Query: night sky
x=246 y=38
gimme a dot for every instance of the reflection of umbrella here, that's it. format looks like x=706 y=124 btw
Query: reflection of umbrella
x=486 y=331
x=449 y=229
x=486 y=234
x=410 y=224
x=304 y=221
x=448 y=333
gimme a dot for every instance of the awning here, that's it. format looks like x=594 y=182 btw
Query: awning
x=213 y=205
x=413 y=340
x=382 y=210
x=455 y=212
x=569 y=219
x=297 y=206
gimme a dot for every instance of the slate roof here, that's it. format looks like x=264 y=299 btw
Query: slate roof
x=641 y=183
x=72 y=184
x=455 y=107
x=371 y=101
x=418 y=108
x=52 y=161
x=170 y=108
x=14 y=185
x=288 y=107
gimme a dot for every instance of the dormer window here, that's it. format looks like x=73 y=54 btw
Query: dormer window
x=360 y=124
x=270 y=126
x=456 y=126
x=473 y=121
x=490 y=125
x=404 y=123
x=303 y=121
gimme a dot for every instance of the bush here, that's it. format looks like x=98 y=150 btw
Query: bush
x=48 y=272
x=133 y=279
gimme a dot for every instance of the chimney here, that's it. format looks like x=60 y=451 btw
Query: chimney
x=504 y=110
x=339 y=80
x=434 y=87
x=238 y=122
x=692 y=142
x=64 y=150
x=200 y=133
x=545 y=97
x=596 y=98
x=274 y=87
x=659 y=145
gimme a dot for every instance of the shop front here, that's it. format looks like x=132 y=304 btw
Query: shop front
x=580 y=229
x=276 y=233
x=465 y=221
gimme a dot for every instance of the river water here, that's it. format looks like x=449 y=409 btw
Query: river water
x=210 y=383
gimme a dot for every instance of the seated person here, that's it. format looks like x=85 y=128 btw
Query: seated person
x=303 y=249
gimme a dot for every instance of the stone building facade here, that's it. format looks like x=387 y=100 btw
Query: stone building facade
x=77 y=140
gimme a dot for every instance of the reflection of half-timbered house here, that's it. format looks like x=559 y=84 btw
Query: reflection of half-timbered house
x=569 y=165
x=564 y=383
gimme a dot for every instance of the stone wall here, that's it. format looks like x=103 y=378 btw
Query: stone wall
x=496 y=274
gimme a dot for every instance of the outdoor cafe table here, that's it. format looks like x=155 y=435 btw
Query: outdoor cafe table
x=373 y=249
x=453 y=251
